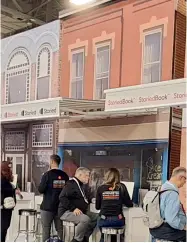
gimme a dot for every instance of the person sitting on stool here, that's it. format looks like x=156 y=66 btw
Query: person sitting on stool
x=74 y=204
x=110 y=198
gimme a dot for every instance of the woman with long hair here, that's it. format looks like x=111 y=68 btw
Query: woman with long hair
x=7 y=198
x=110 y=198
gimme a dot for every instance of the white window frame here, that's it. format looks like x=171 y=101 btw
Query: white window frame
x=97 y=46
x=40 y=144
x=19 y=69
x=37 y=66
x=15 y=149
x=146 y=33
x=80 y=50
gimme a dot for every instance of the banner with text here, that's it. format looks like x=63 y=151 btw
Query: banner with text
x=30 y=110
x=162 y=94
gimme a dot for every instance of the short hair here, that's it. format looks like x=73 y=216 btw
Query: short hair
x=81 y=170
x=178 y=170
x=55 y=158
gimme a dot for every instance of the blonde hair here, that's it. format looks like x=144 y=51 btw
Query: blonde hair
x=178 y=170
x=112 y=178
x=81 y=170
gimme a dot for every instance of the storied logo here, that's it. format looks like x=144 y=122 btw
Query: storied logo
x=41 y=111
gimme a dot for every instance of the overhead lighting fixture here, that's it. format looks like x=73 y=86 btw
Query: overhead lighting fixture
x=81 y=2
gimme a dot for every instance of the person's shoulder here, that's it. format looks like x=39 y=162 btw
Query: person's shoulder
x=63 y=173
x=103 y=187
x=122 y=186
x=70 y=183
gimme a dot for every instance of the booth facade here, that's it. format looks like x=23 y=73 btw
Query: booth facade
x=134 y=134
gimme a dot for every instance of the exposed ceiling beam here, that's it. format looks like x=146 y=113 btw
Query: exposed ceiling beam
x=21 y=15
x=16 y=4
x=38 y=7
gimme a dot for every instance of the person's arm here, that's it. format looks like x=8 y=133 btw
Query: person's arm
x=98 y=199
x=125 y=197
x=43 y=184
x=172 y=212
x=65 y=194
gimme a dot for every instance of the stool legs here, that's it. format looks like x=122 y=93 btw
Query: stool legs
x=118 y=238
x=27 y=229
x=18 y=228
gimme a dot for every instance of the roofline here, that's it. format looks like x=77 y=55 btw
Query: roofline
x=69 y=12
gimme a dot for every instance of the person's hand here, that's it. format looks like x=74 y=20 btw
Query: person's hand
x=77 y=212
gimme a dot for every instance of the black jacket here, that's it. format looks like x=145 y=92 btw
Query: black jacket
x=7 y=190
x=51 y=186
x=71 y=198
x=111 y=202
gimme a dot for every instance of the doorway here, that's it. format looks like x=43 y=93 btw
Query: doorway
x=18 y=168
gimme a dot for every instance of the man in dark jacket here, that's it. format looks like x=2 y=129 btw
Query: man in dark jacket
x=51 y=186
x=74 y=204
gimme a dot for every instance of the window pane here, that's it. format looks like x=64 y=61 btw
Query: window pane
x=42 y=135
x=73 y=90
x=152 y=48
x=104 y=86
x=77 y=75
x=17 y=88
x=102 y=63
x=79 y=89
x=77 y=65
x=19 y=168
x=43 y=61
x=43 y=88
x=98 y=94
x=151 y=73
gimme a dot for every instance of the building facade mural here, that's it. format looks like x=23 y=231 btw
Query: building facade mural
x=123 y=43
x=30 y=63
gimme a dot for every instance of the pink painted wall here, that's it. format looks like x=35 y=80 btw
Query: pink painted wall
x=123 y=22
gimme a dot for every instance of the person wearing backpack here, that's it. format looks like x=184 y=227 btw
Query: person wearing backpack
x=165 y=215
x=110 y=198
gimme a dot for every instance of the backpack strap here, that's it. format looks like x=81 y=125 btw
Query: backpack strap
x=159 y=193
x=167 y=191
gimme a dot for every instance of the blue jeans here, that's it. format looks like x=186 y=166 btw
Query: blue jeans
x=113 y=222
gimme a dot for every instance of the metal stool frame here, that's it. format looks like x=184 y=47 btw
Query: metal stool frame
x=26 y=213
x=69 y=226
x=108 y=231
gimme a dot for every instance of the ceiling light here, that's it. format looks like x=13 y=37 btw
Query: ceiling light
x=81 y=2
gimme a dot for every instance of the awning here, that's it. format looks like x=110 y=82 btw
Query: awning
x=48 y=109
x=170 y=93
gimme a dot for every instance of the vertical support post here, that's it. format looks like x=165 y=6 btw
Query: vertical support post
x=61 y=155
x=165 y=165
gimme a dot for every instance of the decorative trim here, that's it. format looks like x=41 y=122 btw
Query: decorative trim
x=48 y=49
x=77 y=45
x=24 y=68
x=153 y=24
x=104 y=37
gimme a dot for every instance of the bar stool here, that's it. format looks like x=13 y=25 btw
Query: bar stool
x=38 y=227
x=26 y=213
x=70 y=226
x=108 y=231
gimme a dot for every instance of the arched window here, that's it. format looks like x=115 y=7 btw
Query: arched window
x=43 y=73
x=18 y=78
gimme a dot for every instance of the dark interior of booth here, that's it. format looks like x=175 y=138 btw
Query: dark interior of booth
x=138 y=163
